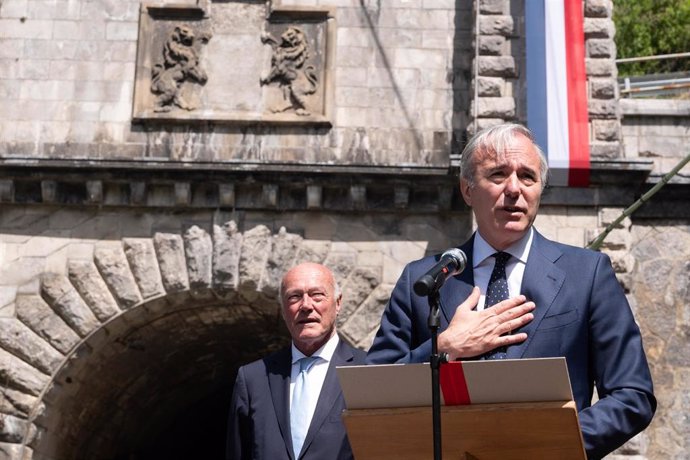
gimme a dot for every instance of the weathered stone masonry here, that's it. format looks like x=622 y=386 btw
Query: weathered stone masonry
x=141 y=242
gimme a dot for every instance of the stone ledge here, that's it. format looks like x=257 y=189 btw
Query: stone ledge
x=356 y=189
x=655 y=107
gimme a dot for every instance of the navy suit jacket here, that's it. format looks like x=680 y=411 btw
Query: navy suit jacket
x=259 y=426
x=581 y=313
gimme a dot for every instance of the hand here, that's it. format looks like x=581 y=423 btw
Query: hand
x=472 y=333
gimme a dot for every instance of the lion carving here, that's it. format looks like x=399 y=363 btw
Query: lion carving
x=170 y=78
x=288 y=70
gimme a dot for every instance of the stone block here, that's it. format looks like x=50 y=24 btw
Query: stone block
x=602 y=88
x=599 y=28
x=18 y=339
x=605 y=150
x=144 y=266
x=285 y=247
x=12 y=429
x=602 y=109
x=352 y=56
x=436 y=19
x=661 y=146
x=20 y=375
x=606 y=130
x=66 y=302
x=420 y=59
x=256 y=247
x=436 y=39
x=601 y=48
x=449 y=5
x=6 y=190
x=35 y=313
x=497 y=66
x=496 y=25
x=598 y=8
x=356 y=288
x=666 y=127
x=608 y=215
x=341 y=262
x=14 y=9
x=617 y=239
x=597 y=67
x=493 y=6
x=171 y=260
x=88 y=282
x=269 y=195
x=199 y=252
x=368 y=316
x=621 y=260
x=492 y=45
x=494 y=107
x=490 y=87
x=313 y=251
x=227 y=244
x=358 y=37
x=17 y=403
x=314 y=195
x=118 y=30
x=34 y=29
x=113 y=267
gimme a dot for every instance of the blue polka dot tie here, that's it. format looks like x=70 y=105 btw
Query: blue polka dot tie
x=496 y=291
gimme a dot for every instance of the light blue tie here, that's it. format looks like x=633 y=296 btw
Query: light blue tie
x=299 y=409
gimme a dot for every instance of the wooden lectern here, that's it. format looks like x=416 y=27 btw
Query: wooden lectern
x=529 y=429
x=508 y=431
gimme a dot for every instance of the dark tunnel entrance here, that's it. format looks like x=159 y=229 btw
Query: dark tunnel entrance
x=156 y=382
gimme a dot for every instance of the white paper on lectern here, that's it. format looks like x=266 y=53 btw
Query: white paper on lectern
x=492 y=381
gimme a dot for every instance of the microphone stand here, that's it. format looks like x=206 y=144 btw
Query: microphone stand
x=434 y=324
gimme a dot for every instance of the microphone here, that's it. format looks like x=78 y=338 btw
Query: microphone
x=452 y=263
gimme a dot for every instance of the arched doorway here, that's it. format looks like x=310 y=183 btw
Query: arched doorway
x=132 y=354
x=156 y=381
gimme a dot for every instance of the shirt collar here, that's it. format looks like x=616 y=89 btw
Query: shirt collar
x=325 y=352
x=482 y=250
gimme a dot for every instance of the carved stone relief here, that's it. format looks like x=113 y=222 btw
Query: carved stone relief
x=296 y=79
x=265 y=64
x=173 y=79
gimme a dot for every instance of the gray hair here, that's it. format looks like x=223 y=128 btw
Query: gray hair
x=497 y=139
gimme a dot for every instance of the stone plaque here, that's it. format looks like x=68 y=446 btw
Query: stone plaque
x=234 y=62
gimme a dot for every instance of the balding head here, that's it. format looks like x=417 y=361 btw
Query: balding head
x=310 y=299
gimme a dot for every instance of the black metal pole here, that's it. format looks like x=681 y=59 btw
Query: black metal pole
x=436 y=361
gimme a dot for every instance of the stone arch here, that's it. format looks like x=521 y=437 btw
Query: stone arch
x=213 y=293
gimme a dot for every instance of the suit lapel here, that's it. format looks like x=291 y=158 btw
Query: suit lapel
x=455 y=291
x=278 y=369
x=541 y=282
x=330 y=392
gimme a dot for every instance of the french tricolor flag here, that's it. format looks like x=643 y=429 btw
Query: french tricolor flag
x=556 y=87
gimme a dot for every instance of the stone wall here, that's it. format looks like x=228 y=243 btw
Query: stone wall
x=84 y=293
x=501 y=83
x=139 y=261
x=657 y=130
x=68 y=74
x=74 y=280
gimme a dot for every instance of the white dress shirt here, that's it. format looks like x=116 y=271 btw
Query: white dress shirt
x=316 y=374
x=483 y=264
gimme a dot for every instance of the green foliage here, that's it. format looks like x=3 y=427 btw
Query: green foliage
x=652 y=27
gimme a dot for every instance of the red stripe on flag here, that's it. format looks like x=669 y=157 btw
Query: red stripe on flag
x=578 y=129
x=453 y=385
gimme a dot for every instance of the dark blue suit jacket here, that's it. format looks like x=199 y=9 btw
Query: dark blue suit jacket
x=259 y=426
x=581 y=313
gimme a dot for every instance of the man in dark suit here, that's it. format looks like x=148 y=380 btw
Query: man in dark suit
x=288 y=405
x=524 y=296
